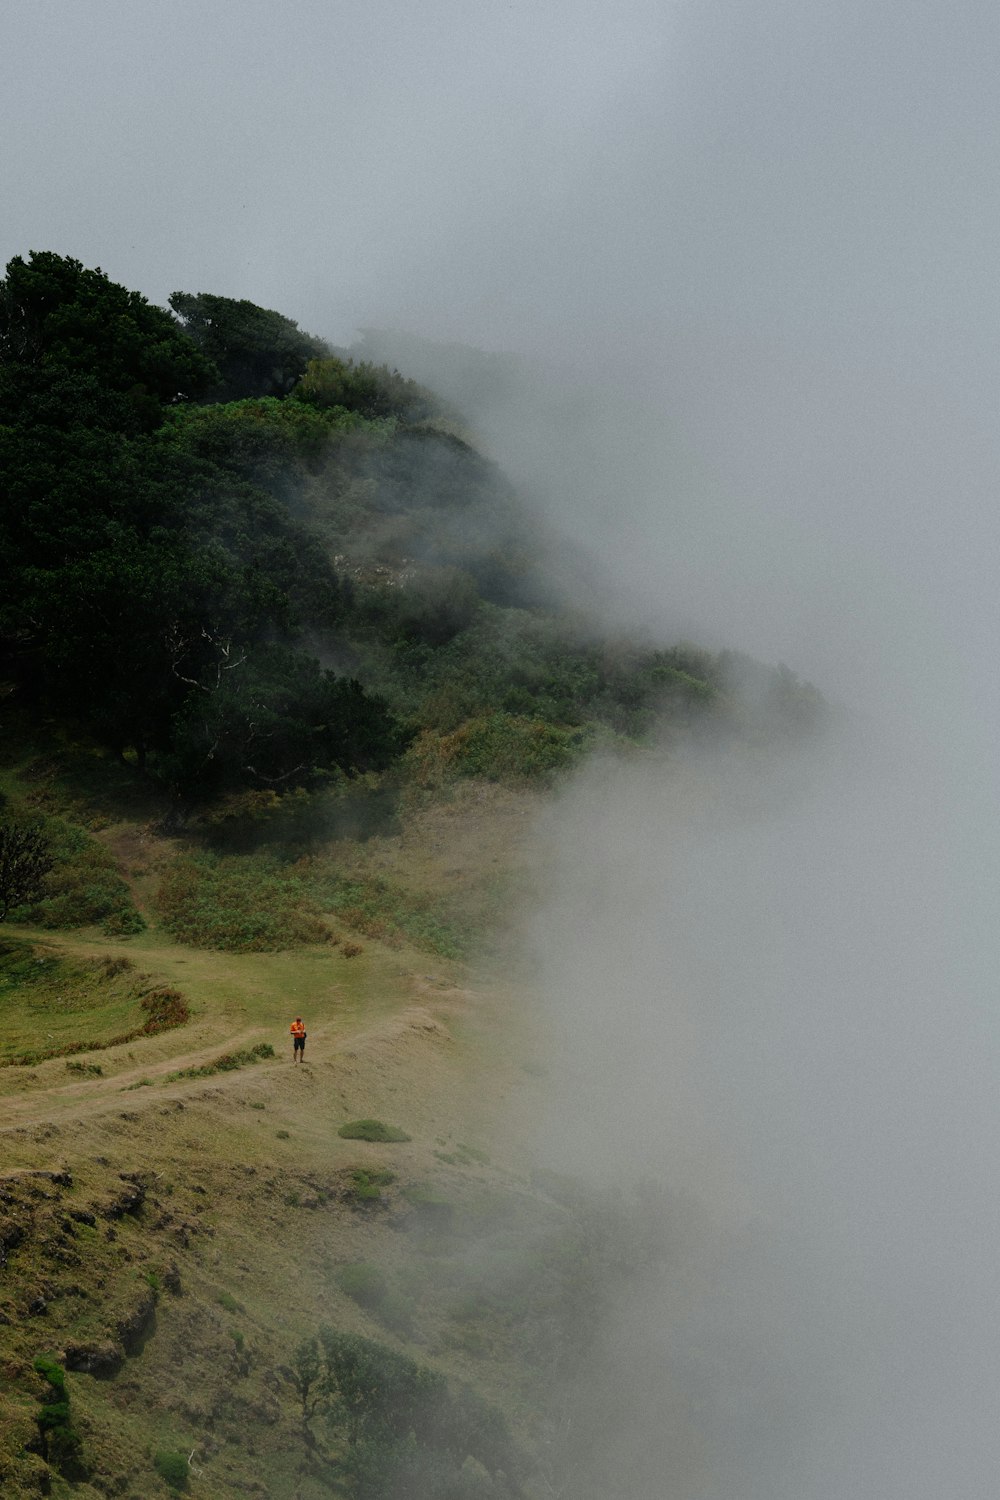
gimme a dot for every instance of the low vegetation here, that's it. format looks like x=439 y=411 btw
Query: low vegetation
x=371 y=1130
x=227 y=1063
x=81 y=886
x=242 y=905
x=366 y=1184
x=59 y=1440
x=53 y=1006
x=392 y=1425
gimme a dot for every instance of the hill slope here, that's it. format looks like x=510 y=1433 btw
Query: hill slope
x=284 y=684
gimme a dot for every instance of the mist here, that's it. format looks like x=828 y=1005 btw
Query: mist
x=734 y=267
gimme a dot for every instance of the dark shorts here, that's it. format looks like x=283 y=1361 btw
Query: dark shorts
x=299 y=1043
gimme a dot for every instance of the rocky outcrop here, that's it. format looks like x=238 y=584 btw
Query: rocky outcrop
x=136 y=1324
x=103 y=1358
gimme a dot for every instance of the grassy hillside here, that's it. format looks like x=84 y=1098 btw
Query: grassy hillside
x=283 y=686
x=179 y=1214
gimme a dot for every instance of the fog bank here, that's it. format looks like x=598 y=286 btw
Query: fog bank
x=772 y=986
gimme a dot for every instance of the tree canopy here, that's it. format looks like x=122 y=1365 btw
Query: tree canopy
x=239 y=560
x=68 y=333
x=144 y=546
x=257 y=352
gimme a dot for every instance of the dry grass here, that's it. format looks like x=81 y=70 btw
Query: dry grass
x=249 y=1190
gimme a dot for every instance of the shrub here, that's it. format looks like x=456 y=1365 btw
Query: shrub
x=51 y=1370
x=372 y=1130
x=408 y=1432
x=61 y=1441
x=25 y=861
x=367 y=1183
x=83 y=887
x=371 y=391
x=241 y=905
x=173 y=1469
x=124 y=923
x=432 y=1206
x=165 y=1008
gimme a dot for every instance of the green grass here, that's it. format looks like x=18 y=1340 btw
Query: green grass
x=370 y=1287
x=55 y=1006
x=372 y=1130
x=227 y=1063
x=172 y=1469
x=386 y=910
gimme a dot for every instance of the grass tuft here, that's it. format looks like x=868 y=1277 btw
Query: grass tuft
x=372 y=1130
x=228 y=1062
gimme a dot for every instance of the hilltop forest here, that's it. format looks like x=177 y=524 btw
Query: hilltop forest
x=283 y=675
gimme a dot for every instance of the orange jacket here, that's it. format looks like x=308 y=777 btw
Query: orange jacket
x=298 y=1028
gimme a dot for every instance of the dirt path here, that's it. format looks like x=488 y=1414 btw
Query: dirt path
x=88 y=1097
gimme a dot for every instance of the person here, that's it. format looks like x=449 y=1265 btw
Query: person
x=298 y=1031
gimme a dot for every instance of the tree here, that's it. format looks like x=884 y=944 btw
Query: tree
x=59 y=319
x=25 y=860
x=272 y=716
x=258 y=352
x=372 y=390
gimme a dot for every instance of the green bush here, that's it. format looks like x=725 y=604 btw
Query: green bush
x=173 y=1469
x=365 y=1284
x=61 y=1440
x=371 y=391
x=124 y=923
x=433 y=1207
x=367 y=1183
x=408 y=1432
x=372 y=1130
x=83 y=887
x=51 y=1370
